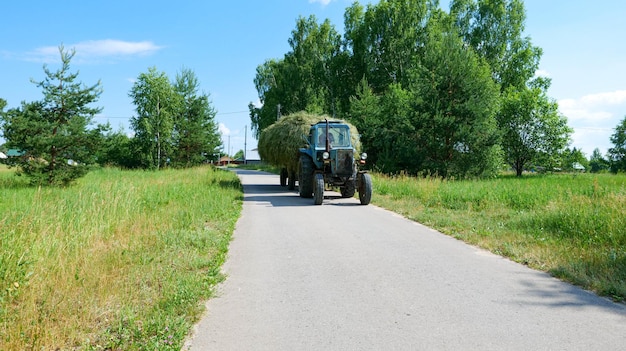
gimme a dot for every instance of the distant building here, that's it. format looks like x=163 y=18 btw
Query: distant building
x=225 y=160
x=14 y=153
x=578 y=167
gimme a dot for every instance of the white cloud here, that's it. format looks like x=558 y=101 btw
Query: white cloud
x=223 y=129
x=611 y=98
x=594 y=108
x=593 y=118
x=94 y=50
x=323 y=2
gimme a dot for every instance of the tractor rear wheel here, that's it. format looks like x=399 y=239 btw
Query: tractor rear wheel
x=365 y=189
x=348 y=189
x=305 y=177
x=291 y=181
x=283 y=177
x=319 y=189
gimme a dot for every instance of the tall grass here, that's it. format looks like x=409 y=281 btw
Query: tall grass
x=573 y=226
x=118 y=261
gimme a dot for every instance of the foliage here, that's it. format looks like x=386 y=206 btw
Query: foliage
x=389 y=78
x=239 y=155
x=115 y=149
x=617 y=154
x=110 y=264
x=456 y=103
x=572 y=157
x=365 y=114
x=494 y=28
x=53 y=133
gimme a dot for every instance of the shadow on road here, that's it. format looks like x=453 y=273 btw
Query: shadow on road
x=563 y=295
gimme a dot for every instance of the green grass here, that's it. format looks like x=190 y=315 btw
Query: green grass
x=121 y=260
x=572 y=226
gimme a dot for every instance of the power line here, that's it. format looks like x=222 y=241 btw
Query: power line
x=217 y=114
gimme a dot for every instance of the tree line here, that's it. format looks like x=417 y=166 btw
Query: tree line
x=57 y=142
x=453 y=94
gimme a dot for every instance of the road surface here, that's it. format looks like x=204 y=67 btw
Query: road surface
x=342 y=276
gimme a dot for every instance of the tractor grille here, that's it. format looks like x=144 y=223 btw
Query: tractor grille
x=344 y=163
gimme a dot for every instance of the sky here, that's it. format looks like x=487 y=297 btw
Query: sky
x=583 y=43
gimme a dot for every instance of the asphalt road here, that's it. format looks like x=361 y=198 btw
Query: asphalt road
x=342 y=276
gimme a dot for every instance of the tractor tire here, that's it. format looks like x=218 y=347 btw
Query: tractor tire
x=349 y=189
x=291 y=181
x=283 y=177
x=305 y=177
x=365 y=189
x=319 y=189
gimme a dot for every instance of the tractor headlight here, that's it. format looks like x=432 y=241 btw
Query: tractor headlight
x=364 y=156
x=326 y=155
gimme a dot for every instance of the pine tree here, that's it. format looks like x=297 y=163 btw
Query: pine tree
x=53 y=133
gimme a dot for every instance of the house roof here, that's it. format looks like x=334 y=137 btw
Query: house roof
x=2 y=155
x=14 y=153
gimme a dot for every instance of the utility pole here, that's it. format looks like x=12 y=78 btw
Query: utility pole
x=229 y=149
x=245 y=144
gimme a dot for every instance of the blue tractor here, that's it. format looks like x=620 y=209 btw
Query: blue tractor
x=330 y=160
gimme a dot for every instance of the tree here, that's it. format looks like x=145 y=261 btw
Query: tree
x=238 y=155
x=365 y=114
x=115 y=149
x=53 y=133
x=597 y=163
x=533 y=130
x=572 y=157
x=196 y=136
x=305 y=79
x=155 y=103
x=494 y=28
x=617 y=154
x=442 y=121
x=456 y=101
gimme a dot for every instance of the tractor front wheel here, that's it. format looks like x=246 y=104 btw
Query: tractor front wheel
x=319 y=189
x=365 y=189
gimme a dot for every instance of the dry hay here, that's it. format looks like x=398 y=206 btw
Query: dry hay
x=279 y=143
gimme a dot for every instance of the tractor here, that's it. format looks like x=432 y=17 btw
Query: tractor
x=328 y=160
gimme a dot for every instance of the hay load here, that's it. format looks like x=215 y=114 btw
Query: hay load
x=279 y=143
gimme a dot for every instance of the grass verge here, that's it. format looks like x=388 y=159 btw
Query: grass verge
x=572 y=226
x=120 y=261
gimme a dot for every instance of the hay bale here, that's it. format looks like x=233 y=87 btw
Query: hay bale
x=279 y=143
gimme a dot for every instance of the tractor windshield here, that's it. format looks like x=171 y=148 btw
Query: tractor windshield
x=338 y=135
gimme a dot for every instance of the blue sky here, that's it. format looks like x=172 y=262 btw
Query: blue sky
x=583 y=42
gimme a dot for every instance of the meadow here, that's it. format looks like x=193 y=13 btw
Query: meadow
x=120 y=260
